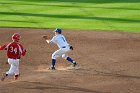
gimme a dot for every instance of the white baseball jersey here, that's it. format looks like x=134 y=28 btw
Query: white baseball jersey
x=60 y=40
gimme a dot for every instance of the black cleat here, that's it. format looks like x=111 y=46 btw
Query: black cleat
x=52 y=68
x=74 y=64
x=4 y=75
x=17 y=76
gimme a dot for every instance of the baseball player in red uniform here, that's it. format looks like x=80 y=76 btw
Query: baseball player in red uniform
x=14 y=52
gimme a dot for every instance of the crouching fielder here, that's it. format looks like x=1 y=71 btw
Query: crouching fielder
x=14 y=52
x=64 y=47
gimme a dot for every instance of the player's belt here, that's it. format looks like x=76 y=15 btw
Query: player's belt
x=64 y=47
x=14 y=58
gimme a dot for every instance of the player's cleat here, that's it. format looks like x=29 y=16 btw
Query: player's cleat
x=17 y=76
x=3 y=76
x=52 y=68
x=74 y=64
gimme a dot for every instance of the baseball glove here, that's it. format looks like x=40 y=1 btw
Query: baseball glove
x=45 y=37
x=71 y=47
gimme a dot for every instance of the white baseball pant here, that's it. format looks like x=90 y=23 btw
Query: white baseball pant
x=14 y=66
x=61 y=52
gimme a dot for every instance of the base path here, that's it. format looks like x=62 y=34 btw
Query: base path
x=109 y=62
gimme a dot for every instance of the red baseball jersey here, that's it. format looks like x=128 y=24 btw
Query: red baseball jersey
x=14 y=50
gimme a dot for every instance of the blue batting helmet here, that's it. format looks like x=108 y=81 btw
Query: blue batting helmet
x=58 y=30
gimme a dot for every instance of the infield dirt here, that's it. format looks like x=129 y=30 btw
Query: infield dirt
x=108 y=62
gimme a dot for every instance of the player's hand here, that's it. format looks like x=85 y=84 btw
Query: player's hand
x=45 y=37
x=71 y=47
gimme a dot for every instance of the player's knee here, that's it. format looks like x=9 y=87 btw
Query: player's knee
x=54 y=56
x=64 y=56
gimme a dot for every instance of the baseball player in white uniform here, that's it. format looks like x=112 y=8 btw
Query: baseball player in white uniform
x=63 y=45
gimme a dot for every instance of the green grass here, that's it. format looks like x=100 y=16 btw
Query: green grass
x=113 y=15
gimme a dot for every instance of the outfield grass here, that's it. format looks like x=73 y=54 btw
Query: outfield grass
x=113 y=15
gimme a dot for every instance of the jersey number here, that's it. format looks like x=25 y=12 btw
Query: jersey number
x=12 y=49
x=63 y=39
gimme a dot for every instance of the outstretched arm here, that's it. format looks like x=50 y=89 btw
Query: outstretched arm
x=2 y=47
x=46 y=38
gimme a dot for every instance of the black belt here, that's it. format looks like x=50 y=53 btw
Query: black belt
x=63 y=47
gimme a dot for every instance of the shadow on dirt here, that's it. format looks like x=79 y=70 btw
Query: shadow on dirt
x=45 y=86
x=117 y=75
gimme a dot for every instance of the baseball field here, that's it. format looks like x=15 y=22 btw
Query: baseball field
x=105 y=36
